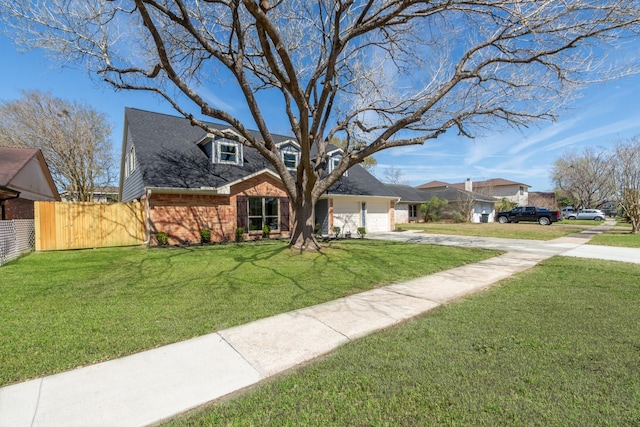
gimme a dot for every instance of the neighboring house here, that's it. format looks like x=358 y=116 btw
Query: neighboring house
x=497 y=188
x=100 y=195
x=479 y=208
x=24 y=178
x=190 y=181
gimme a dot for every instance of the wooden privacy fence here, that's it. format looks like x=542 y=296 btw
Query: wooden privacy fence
x=61 y=225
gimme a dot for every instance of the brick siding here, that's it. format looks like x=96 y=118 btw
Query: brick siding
x=18 y=209
x=182 y=216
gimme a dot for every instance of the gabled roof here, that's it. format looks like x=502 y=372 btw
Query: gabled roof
x=410 y=194
x=12 y=162
x=169 y=157
x=434 y=184
x=453 y=194
x=494 y=182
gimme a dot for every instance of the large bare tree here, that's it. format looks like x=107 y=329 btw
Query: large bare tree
x=624 y=170
x=379 y=73
x=583 y=176
x=73 y=137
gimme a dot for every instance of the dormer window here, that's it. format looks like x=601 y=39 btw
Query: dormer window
x=289 y=153
x=222 y=150
x=333 y=164
x=228 y=153
x=290 y=160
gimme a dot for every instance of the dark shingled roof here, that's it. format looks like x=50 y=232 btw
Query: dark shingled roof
x=410 y=194
x=167 y=153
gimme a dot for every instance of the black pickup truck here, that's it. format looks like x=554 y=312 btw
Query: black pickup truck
x=529 y=213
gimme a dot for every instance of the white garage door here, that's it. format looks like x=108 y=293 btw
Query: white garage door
x=346 y=215
x=377 y=216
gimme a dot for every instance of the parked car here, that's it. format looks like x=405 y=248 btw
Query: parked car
x=594 y=214
x=610 y=209
x=567 y=210
x=528 y=213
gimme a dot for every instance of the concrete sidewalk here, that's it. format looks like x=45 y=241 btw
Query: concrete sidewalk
x=150 y=386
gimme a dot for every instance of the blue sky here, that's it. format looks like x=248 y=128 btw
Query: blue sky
x=605 y=113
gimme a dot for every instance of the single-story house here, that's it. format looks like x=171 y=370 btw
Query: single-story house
x=476 y=207
x=190 y=181
x=24 y=178
x=497 y=188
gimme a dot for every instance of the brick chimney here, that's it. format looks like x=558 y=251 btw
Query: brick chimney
x=468 y=185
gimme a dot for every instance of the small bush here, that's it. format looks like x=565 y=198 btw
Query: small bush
x=162 y=238
x=336 y=231
x=457 y=217
x=205 y=236
x=318 y=229
x=239 y=234
x=361 y=232
x=265 y=231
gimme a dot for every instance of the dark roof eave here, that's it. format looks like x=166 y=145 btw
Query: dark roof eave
x=5 y=190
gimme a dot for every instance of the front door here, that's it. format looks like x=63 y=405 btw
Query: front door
x=322 y=215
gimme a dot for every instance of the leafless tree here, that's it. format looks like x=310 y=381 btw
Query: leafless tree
x=624 y=171
x=394 y=175
x=73 y=137
x=380 y=73
x=581 y=174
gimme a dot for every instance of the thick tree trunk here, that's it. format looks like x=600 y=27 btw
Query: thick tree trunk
x=302 y=236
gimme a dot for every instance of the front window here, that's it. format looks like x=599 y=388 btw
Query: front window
x=413 y=211
x=228 y=153
x=263 y=211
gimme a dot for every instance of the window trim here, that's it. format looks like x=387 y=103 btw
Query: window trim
x=296 y=159
x=236 y=150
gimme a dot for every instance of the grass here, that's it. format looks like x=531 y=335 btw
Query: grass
x=558 y=344
x=60 y=310
x=617 y=236
x=531 y=231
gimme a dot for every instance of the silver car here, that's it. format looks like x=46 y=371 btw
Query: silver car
x=594 y=214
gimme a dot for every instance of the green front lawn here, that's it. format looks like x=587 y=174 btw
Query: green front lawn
x=557 y=345
x=617 y=236
x=60 y=310
x=528 y=230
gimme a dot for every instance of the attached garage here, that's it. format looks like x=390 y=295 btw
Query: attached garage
x=377 y=215
x=374 y=214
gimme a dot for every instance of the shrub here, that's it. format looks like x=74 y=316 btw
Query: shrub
x=265 y=231
x=457 y=217
x=318 y=229
x=239 y=234
x=361 y=232
x=432 y=209
x=205 y=236
x=162 y=238
x=336 y=231
x=505 y=205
